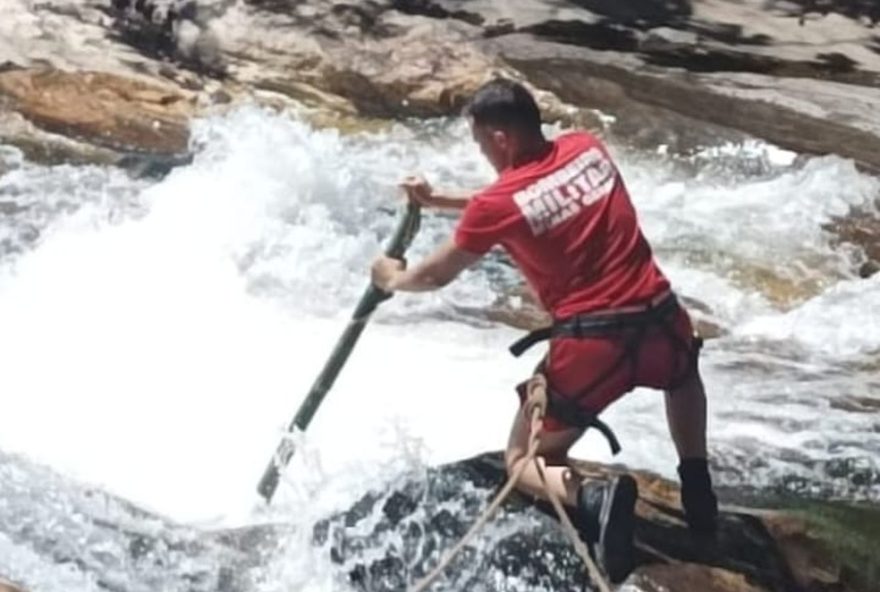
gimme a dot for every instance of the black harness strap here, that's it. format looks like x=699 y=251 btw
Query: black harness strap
x=598 y=325
x=561 y=407
x=521 y=345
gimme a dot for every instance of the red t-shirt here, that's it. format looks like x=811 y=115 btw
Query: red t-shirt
x=568 y=223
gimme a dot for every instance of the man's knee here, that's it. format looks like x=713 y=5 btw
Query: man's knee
x=512 y=458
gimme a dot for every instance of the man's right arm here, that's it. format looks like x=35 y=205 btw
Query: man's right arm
x=420 y=191
x=450 y=201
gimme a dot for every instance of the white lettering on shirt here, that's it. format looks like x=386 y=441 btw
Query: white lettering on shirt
x=551 y=200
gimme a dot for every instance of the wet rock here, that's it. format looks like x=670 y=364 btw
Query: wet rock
x=683 y=74
x=391 y=538
x=58 y=117
x=797 y=113
x=102 y=109
x=693 y=577
x=39 y=145
x=857 y=404
x=395 y=534
x=383 y=62
x=860 y=228
x=747 y=65
x=7 y=586
x=519 y=308
x=175 y=29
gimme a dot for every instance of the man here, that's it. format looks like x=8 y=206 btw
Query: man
x=561 y=210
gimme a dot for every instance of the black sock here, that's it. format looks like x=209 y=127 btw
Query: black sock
x=697 y=497
x=695 y=471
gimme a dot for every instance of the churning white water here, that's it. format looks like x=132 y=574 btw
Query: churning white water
x=157 y=337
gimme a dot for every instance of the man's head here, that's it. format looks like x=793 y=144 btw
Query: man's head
x=505 y=122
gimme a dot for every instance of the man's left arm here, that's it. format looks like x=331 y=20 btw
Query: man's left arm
x=434 y=272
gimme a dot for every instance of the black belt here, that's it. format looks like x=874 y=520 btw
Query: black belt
x=595 y=325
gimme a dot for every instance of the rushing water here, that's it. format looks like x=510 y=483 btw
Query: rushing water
x=157 y=336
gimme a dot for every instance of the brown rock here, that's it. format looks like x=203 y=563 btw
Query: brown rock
x=753 y=550
x=809 y=561
x=862 y=229
x=799 y=113
x=426 y=72
x=680 y=73
x=7 y=586
x=99 y=108
x=41 y=146
x=698 y=67
x=519 y=308
x=380 y=61
x=702 y=578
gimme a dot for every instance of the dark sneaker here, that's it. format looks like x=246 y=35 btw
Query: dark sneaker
x=607 y=510
x=697 y=498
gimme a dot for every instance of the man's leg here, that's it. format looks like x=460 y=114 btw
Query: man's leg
x=686 y=415
x=554 y=448
x=603 y=510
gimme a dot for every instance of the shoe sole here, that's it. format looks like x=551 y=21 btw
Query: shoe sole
x=617 y=529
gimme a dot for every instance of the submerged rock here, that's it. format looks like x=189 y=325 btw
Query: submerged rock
x=860 y=228
x=7 y=586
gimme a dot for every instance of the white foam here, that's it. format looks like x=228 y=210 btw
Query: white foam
x=843 y=322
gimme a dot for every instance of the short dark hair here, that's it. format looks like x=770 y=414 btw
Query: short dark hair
x=505 y=104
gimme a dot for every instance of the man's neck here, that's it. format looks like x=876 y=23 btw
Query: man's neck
x=534 y=150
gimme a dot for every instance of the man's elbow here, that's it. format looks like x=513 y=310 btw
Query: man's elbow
x=444 y=281
x=439 y=278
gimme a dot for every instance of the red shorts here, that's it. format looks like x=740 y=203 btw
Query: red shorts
x=594 y=372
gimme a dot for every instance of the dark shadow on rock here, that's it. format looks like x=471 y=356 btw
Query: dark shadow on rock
x=147 y=41
x=706 y=60
x=605 y=35
x=727 y=33
x=742 y=544
x=154 y=35
x=855 y=9
x=827 y=66
x=837 y=62
x=661 y=47
x=640 y=13
x=433 y=10
x=152 y=166
x=670 y=40
x=278 y=6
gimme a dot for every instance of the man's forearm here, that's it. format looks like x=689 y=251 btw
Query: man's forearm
x=451 y=200
x=418 y=279
x=438 y=269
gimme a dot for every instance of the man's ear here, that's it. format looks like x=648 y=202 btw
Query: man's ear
x=501 y=139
